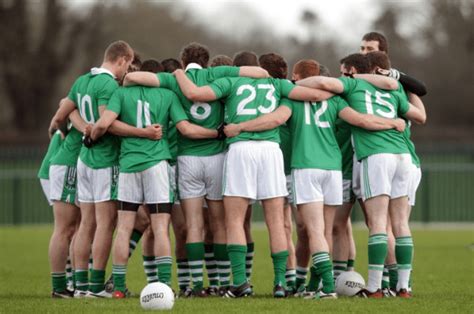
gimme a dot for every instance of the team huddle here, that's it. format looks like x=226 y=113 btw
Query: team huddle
x=136 y=146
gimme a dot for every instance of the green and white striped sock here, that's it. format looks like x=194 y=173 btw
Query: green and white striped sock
x=118 y=274
x=338 y=268
x=151 y=272
x=211 y=266
x=163 y=264
x=184 y=276
x=195 y=253
x=404 y=255
x=377 y=253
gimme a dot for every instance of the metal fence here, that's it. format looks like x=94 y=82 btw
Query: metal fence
x=446 y=192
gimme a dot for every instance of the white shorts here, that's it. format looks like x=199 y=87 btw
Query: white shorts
x=356 y=178
x=385 y=174
x=46 y=190
x=254 y=170
x=151 y=186
x=96 y=185
x=200 y=176
x=347 y=192
x=317 y=185
x=174 y=184
x=415 y=179
x=290 y=190
x=63 y=184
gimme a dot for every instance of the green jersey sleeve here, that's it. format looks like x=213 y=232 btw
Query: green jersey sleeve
x=115 y=102
x=341 y=104
x=223 y=71
x=221 y=87
x=287 y=103
x=167 y=80
x=286 y=87
x=104 y=94
x=348 y=84
x=177 y=113
x=403 y=100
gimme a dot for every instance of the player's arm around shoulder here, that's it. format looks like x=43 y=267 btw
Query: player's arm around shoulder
x=265 y=122
x=416 y=111
x=253 y=72
x=141 y=78
x=191 y=91
x=66 y=106
x=380 y=81
x=329 y=84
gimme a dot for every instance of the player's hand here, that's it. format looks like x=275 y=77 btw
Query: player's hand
x=87 y=141
x=400 y=125
x=383 y=71
x=178 y=71
x=88 y=129
x=232 y=130
x=53 y=126
x=154 y=132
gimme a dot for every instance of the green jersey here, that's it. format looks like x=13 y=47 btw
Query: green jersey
x=285 y=146
x=142 y=106
x=90 y=91
x=53 y=147
x=209 y=115
x=411 y=146
x=173 y=142
x=366 y=98
x=69 y=151
x=343 y=137
x=246 y=99
x=312 y=126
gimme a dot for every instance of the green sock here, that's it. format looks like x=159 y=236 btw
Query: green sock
x=301 y=273
x=134 y=239
x=59 y=282
x=195 y=254
x=404 y=255
x=339 y=267
x=82 y=280
x=118 y=274
x=163 y=263
x=249 y=260
x=237 y=255
x=151 y=271
x=184 y=276
x=96 y=283
x=74 y=279
x=385 y=278
x=290 y=277
x=322 y=264
x=279 y=267
x=393 y=275
x=314 y=279
x=378 y=249
x=211 y=266
x=223 y=264
x=350 y=264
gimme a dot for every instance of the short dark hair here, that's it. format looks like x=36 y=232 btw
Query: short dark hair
x=195 y=53
x=136 y=62
x=170 y=65
x=274 y=64
x=380 y=38
x=378 y=59
x=220 y=60
x=306 y=68
x=323 y=70
x=358 y=61
x=151 y=65
x=245 y=58
x=118 y=49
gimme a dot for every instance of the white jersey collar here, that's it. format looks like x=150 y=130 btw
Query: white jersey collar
x=191 y=66
x=97 y=71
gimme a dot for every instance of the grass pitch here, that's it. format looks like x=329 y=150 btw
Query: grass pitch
x=442 y=279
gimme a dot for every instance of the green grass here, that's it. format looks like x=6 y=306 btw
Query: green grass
x=443 y=279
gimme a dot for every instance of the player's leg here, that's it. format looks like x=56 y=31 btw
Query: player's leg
x=290 y=275
x=148 y=251
x=352 y=247
x=209 y=258
x=65 y=216
x=390 y=274
x=341 y=242
x=250 y=243
x=160 y=219
x=302 y=255
x=180 y=233
x=142 y=222
x=125 y=223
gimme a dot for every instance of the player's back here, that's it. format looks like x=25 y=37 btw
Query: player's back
x=141 y=107
x=368 y=99
x=313 y=125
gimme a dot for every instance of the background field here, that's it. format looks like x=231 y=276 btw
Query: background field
x=443 y=276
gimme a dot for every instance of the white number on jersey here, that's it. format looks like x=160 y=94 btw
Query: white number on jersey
x=143 y=114
x=317 y=114
x=379 y=99
x=85 y=104
x=241 y=110
x=200 y=116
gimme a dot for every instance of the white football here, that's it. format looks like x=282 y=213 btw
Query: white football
x=157 y=296
x=349 y=283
